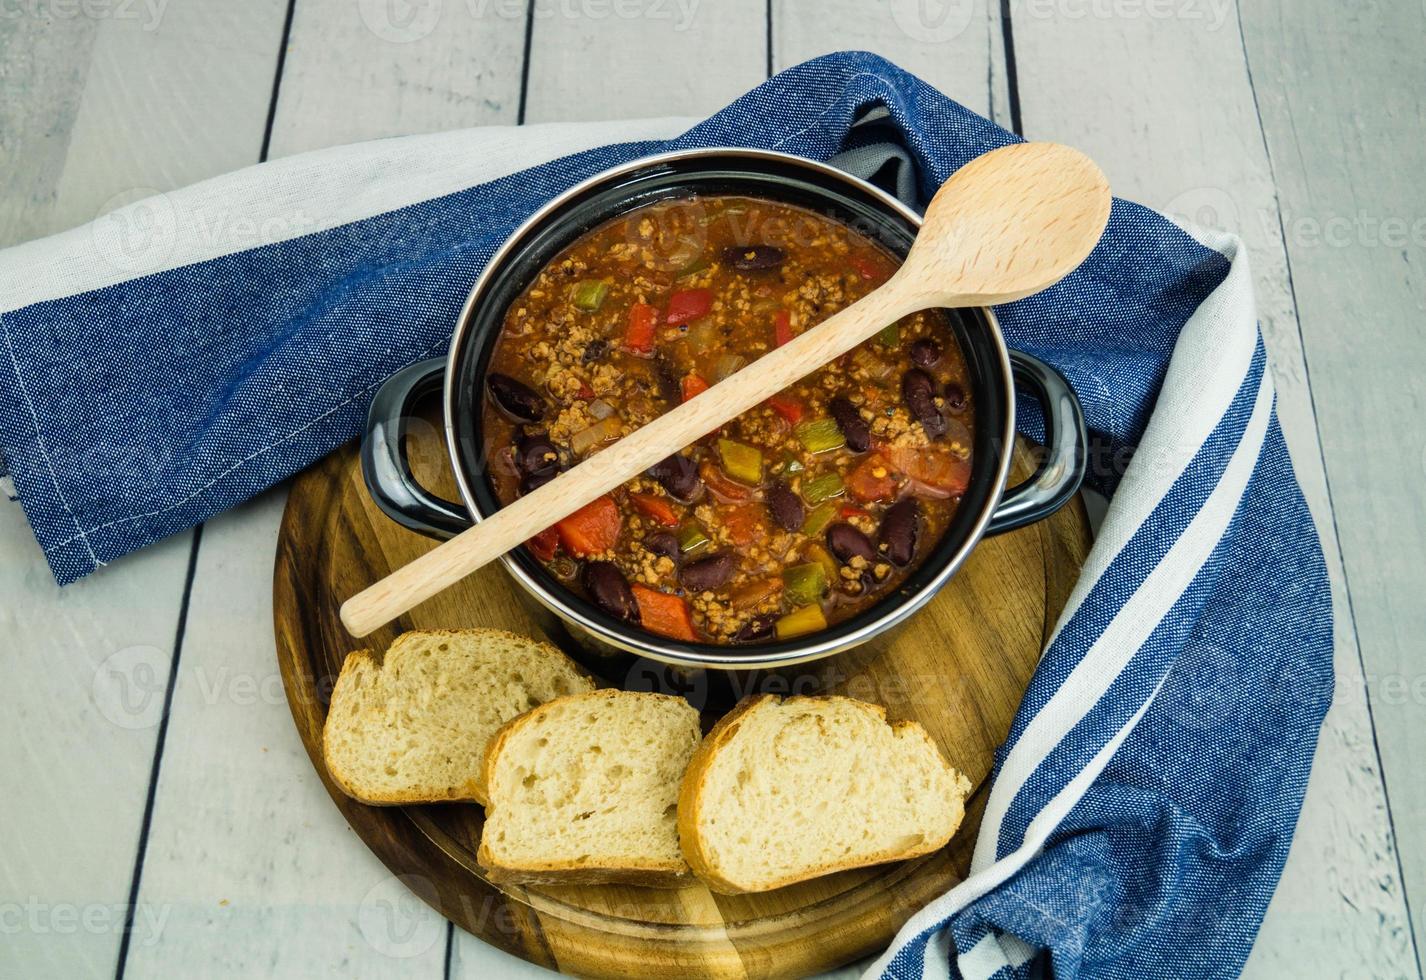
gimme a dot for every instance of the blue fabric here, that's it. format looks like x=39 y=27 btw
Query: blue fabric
x=135 y=411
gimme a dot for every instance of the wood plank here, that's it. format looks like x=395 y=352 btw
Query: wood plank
x=642 y=65
x=93 y=107
x=1133 y=92
x=169 y=101
x=46 y=64
x=1340 y=90
x=961 y=53
x=359 y=71
x=296 y=892
x=642 y=58
x=256 y=870
x=669 y=59
x=87 y=668
x=567 y=51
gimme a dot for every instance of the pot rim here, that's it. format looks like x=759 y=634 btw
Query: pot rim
x=650 y=645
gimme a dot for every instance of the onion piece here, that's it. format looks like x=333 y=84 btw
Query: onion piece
x=602 y=431
x=702 y=334
x=924 y=490
x=600 y=409
x=875 y=367
x=727 y=365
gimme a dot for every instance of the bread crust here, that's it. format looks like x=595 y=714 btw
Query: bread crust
x=470 y=791
x=691 y=798
x=649 y=873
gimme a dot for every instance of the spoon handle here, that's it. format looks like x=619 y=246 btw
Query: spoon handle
x=516 y=523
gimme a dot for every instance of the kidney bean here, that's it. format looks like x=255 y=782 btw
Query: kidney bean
x=899 y=529
x=531 y=482
x=516 y=399
x=670 y=387
x=756 y=629
x=608 y=589
x=536 y=454
x=679 y=476
x=706 y=573
x=918 y=391
x=847 y=543
x=785 y=506
x=594 y=350
x=955 y=398
x=663 y=543
x=850 y=421
x=754 y=258
x=925 y=353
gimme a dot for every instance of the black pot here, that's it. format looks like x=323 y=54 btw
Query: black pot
x=616 y=647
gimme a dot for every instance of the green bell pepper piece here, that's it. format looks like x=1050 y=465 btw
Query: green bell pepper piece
x=822 y=487
x=742 y=462
x=820 y=435
x=589 y=294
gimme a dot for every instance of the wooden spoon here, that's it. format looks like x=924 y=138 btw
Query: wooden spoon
x=1006 y=225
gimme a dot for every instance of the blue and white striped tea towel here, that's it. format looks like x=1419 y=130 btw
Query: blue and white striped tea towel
x=181 y=354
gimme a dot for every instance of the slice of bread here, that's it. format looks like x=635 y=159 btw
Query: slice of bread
x=781 y=791
x=584 y=790
x=412 y=727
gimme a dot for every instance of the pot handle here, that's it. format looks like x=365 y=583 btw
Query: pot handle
x=384 y=466
x=1062 y=467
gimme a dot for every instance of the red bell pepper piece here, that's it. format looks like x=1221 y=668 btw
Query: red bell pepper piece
x=789 y=408
x=693 y=385
x=639 y=334
x=655 y=508
x=592 y=529
x=688 y=304
x=782 y=328
x=544 y=544
x=667 y=615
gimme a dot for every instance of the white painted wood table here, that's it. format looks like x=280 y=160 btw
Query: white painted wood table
x=158 y=814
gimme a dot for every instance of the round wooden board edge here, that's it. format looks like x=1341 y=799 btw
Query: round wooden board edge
x=508 y=921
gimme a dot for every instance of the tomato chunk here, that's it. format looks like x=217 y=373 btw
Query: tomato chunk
x=933 y=472
x=693 y=386
x=639 y=334
x=667 y=615
x=782 y=328
x=592 y=529
x=544 y=544
x=872 y=480
x=655 y=508
x=789 y=408
x=688 y=304
x=868 y=268
x=721 y=484
x=744 y=523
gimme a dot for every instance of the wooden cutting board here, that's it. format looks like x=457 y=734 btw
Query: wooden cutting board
x=959 y=667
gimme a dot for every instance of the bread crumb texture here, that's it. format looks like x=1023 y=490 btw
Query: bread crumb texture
x=590 y=783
